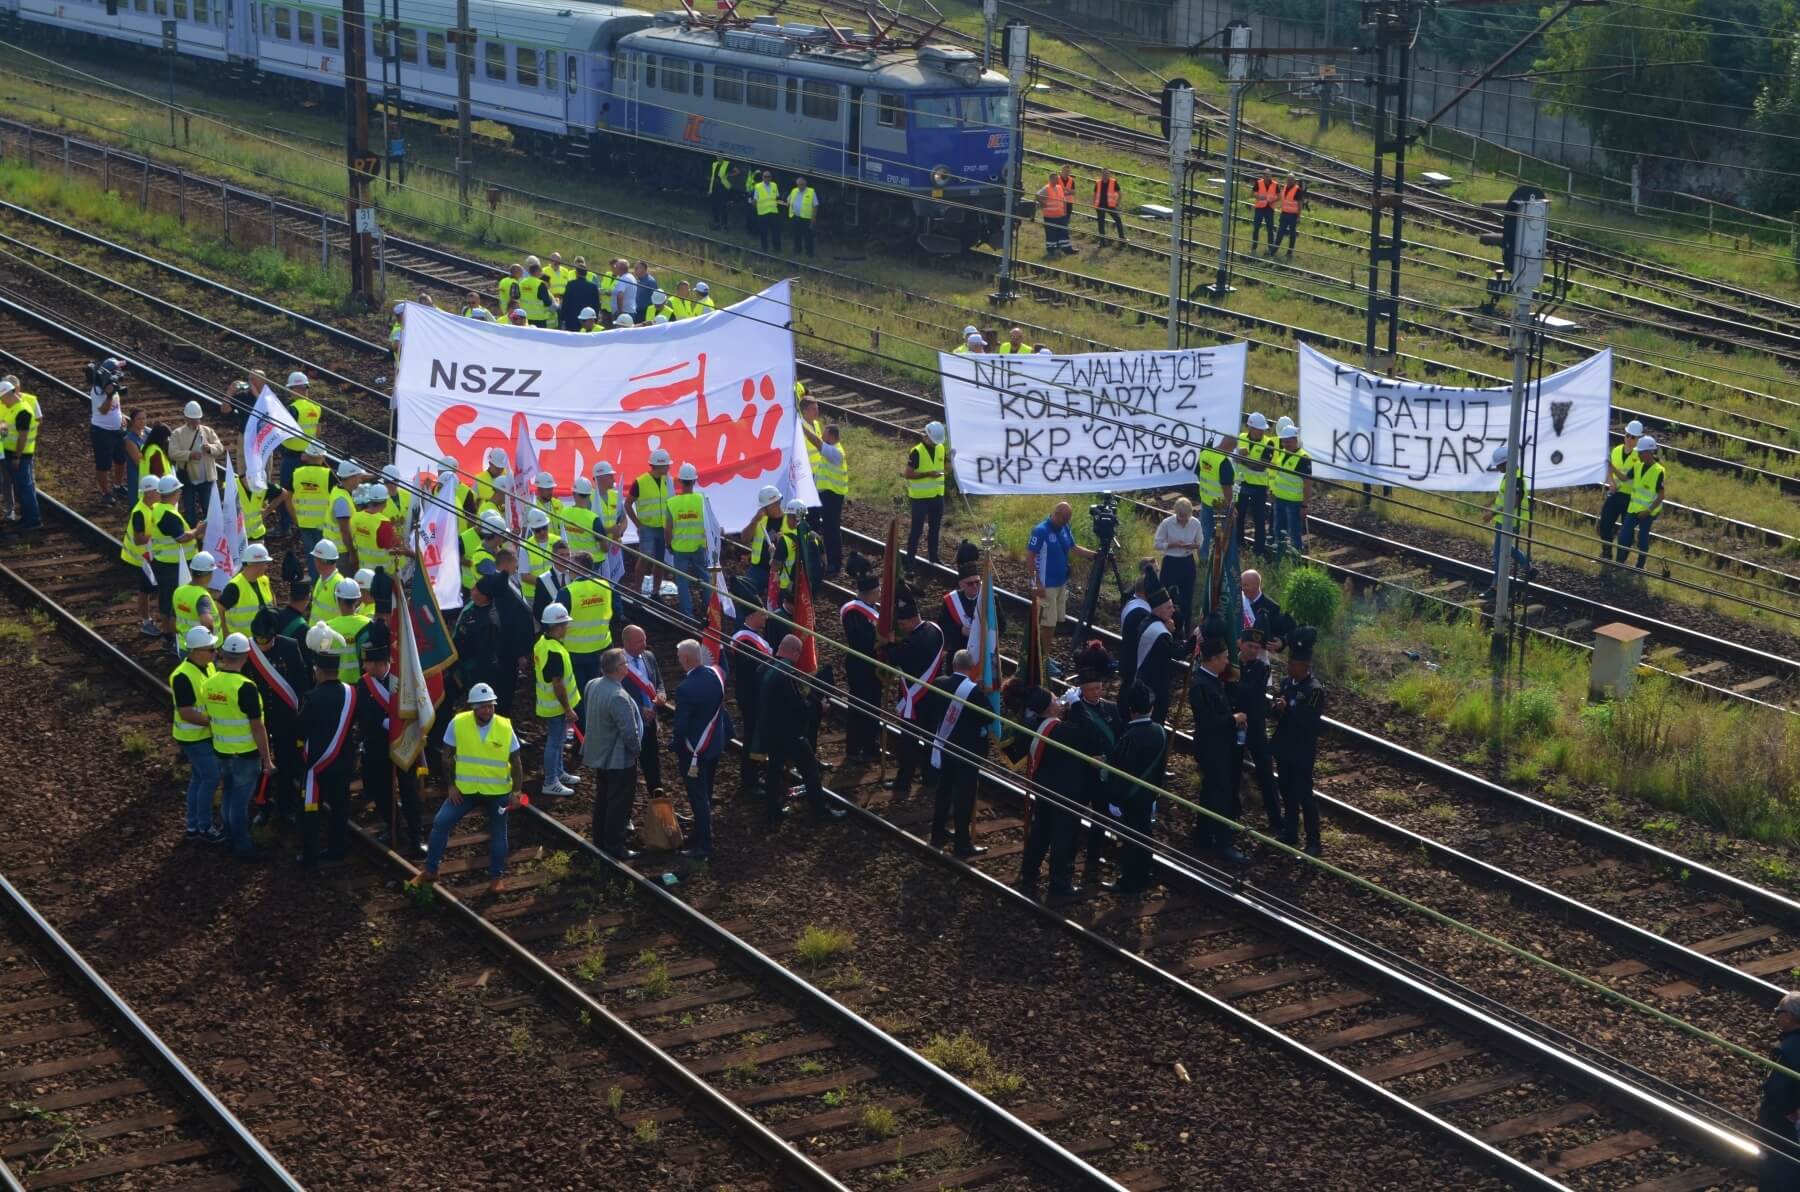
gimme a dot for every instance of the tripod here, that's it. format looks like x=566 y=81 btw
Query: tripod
x=1104 y=560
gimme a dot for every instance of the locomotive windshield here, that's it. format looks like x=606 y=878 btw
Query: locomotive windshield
x=972 y=112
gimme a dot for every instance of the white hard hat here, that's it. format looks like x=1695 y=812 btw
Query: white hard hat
x=481 y=693
x=544 y=480
x=1044 y=350
x=482 y=314
x=533 y=263
x=1634 y=428
x=148 y=484
x=1282 y=423
x=971 y=329
x=297 y=380
x=587 y=312
x=313 y=447
x=325 y=549
x=494 y=522
x=325 y=641
x=555 y=614
x=1646 y=444
x=496 y=458
x=517 y=312
x=536 y=519
x=392 y=472
x=397 y=307
x=202 y=562
x=1290 y=430
x=660 y=319
x=796 y=507
x=348 y=468
x=200 y=638
x=583 y=487
x=168 y=484
x=347 y=589
x=259 y=486
x=6 y=387
x=256 y=552
x=659 y=298
x=447 y=462
x=1256 y=421
x=603 y=468
x=934 y=431
x=701 y=287
x=688 y=472
x=767 y=494
x=624 y=321
x=237 y=643
x=975 y=340
x=660 y=458
x=1499 y=455
x=365 y=579
x=192 y=410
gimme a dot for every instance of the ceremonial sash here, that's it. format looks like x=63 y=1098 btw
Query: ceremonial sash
x=1147 y=639
x=1131 y=606
x=272 y=676
x=858 y=605
x=644 y=688
x=752 y=638
x=951 y=715
x=953 y=602
x=340 y=736
x=712 y=726
x=384 y=699
x=909 y=698
x=1249 y=611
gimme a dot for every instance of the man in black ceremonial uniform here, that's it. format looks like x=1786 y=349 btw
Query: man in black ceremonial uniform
x=1099 y=727
x=326 y=716
x=750 y=653
x=1250 y=695
x=1155 y=653
x=1215 y=745
x=283 y=675
x=920 y=654
x=376 y=693
x=1053 y=827
x=961 y=730
x=1299 y=710
x=788 y=717
x=1142 y=751
x=860 y=618
x=961 y=611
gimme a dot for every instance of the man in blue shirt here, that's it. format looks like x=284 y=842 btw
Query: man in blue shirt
x=647 y=285
x=1047 y=553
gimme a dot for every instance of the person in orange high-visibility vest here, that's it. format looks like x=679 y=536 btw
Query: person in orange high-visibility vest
x=1292 y=198
x=1053 y=202
x=1106 y=200
x=1267 y=190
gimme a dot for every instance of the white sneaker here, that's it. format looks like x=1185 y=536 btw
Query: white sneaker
x=571 y=779
x=556 y=788
x=644 y=588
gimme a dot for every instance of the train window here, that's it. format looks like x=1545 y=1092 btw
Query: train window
x=699 y=78
x=675 y=76
x=1000 y=110
x=728 y=84
x=328 y=27
x=434 y=51
x=142 y=5
x=200 y=13
x=935 y=111
x=304 y=20
x=819 y=101
x=793 y=91
x=890 y=111
x=180 y=12
x=551 y=58
x=759 y=89
x=284 y=29
x=496 y=61
x=408 y=50
x=649 y=70
x=528 y=68
x=570 y=75
x=162 y=8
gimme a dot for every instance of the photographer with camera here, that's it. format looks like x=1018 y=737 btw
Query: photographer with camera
x=106 y=427
x=1047 y=553
x=198 y=454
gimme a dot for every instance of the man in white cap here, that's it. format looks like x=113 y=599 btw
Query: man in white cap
x=193 y=733
x=1621 y=474
x=249 y=591
x=192 y=602
x=517 y=317
x=649 y=508
x=760 y=536
x=587 y=320
x=309 y=485
x=240 y=742
x=831 y=474
x=20 y=415
x=534 y=295
x=307 y=413
x=796 y=541
x=535 y=554
x=351 y=624
x=609 y=529
x=134 y=551
x=324 y=558
x=553 y=681
x=543 y=491
x=171 y=541
x=1524 y=572
x=703 y=303
x=687 y=537
x=659 y=307
x=558 y=276
x=491 y=481
x=1255 y=450
x=485 y=772
x=1290 y=483
x=1646 y=502
x=197 y=452
x=351 y=476
x=396 y=333
x=576 y=518
x=927 y=464
x=623 y=322
x=327 y=714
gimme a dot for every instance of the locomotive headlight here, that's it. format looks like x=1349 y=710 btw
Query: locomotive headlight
x=969 y=74
x=940 y=176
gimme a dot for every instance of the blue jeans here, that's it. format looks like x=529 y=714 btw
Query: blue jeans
x=308 y=540
x=24 y=482
x=690 y=569
x=650 y=542
x=203 y=780
x=1636 y=525
x=1518 y=557
x=1288 y=526
x=556 y=731
x=240 y=771
x=447 y=815
x=699 y=793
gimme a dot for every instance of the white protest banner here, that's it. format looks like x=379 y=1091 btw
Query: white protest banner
x=224 y=532
x=435 y=539
x=1106 y=420
x=716 y=392
x=1367 y=428
x=268 y=427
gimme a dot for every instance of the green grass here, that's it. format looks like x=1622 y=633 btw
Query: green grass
x=878 y=1121
x=965 y=1056
x=818 y=945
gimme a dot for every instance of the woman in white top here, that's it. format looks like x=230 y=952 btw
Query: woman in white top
x=1178 y=542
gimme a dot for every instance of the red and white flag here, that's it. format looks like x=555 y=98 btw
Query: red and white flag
x=415 y=709
x=269 y=426
x=223 y=537
x=440 y=550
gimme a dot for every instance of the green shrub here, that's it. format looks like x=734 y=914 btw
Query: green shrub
x=1311 y=598
x=1533 y=712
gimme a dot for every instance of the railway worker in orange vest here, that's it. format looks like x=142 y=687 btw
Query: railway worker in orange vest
x=1268 y=189
x=1291 y=199
x=1106 y=200
x=1053 y=201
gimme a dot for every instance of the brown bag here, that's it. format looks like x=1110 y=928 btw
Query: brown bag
x=660 y=832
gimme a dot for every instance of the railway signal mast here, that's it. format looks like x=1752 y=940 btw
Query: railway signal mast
x=1178 y=99
x=1017 y=39
x=363 y=165
x=1237 y=70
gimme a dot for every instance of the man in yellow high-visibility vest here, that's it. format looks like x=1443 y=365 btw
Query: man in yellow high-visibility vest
x=926 y=466
x=649 y=512
x=485 y=771
x=803 y=205
x=687 y=537
x=719 y=184
x=765 y=198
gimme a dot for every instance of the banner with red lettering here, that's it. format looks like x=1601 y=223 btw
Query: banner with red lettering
x=715 y=391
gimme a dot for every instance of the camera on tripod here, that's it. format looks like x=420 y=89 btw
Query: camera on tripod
x=1105 y=516
x=104 y=376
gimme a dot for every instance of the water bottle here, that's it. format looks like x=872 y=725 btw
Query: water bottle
x=1241 y=735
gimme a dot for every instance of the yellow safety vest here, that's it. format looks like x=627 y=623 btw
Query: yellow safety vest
x=531 y=297
x=559 y=277
x=547 y=703
x=931 y=459
x=608 y=280
x=251 y=504
x=350 y=661
x=719 y=175
x=312 y=496
x=590 y=616
x=577 y=522
x=251 y=597
x=306 y=415
x=512 y=293
x=816 y=426
x=539 y=554
x=324 y=596
x=230 y=727
x=483 y=767
x=1262 y=451
x=1625 y=461
x=1524 y=501
x=808 y=201
x=1007 y=349
x=833 y=478
x=164 y=548
x=13 y=444
x=186 y=603
x=1285 y=482
x=365 y=532
x=688 y=511
x=472 y=561
x=790 y=540
x=152 y=456
x=485 y=484
x=1206 y=471
x=768 y=198
x=652 y=500
x=1644 y=487
x=129 y=551
x=183 y=730
x=760 y=543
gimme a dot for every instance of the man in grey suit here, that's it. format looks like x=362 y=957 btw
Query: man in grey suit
x=615 y=730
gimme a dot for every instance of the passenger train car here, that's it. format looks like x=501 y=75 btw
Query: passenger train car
x=916 y=135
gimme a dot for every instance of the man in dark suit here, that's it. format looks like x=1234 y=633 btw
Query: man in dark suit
x=581 y=292
x=961 y=736
x=326 y=716
x=283 y=675
x=920 y=653
x=749 y=652
x=1216 y=726
x=1142 y=751
x=785 y=723
x=1257 y=605
x=862 y=735
x=702 y=726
